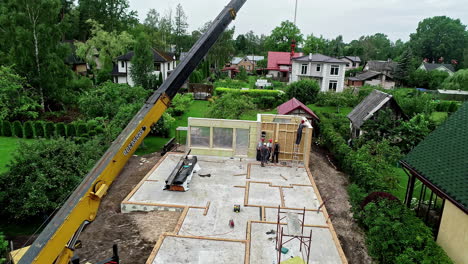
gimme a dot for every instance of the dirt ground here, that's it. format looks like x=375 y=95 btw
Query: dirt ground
x=136 y=233
x=332 y=185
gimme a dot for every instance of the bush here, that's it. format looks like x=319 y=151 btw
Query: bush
x=6 y=129
x=81 y=129
x=42 y=174
x=39 y=129
x=453 y=107
x=163 y=126
x=346 y=98
x=49 y=130
x=265 y=99
x=304 y=90
x=230 y=106
x=28 y=129
x=18 y=129
x=395 y=235
x=60 y=130
x=3 y=248
x=458 y=81
x=180 y=104
x=234 y=84
x=71 y=130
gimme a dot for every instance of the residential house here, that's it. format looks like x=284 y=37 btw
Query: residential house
x=297 y=108
x=328 y=71
x=164 y=63
x=448 y=68
x=249 y=62
x=78 y=65
x=437 y=189
x=367 y=109
x=279 y=65
x=377 y=73
x=352 y=62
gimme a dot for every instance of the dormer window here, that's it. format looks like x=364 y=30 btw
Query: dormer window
x=122 y=64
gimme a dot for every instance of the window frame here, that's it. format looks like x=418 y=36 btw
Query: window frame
x=318 y=68
x=306 y=67
x=157 y=66
x=122 y=64
x=335 y=70
x=332 y=85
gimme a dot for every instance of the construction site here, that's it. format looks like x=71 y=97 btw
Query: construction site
x=233 y=210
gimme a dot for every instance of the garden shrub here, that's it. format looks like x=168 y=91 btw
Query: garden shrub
x=3 y=248
x=345 y=98
x=395 y=235
x=180 y=104
x=71 y=130
x=265 y=98
x=49 y=130
x=453 y=107
x=163 y=126
x=377 y=196
x=229 y=83
x=304 y=90
x=18 y=129
x=6 y=129
x=230 y=106
x=28 y=129
x=60 y=130
x=39 y=129
x=81 y=129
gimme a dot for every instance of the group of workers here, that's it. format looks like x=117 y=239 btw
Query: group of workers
x=265 y=151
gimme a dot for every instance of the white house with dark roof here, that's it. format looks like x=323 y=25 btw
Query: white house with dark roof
x=164 y=63
x=448 y=68
x=352 y=62
x=328 y=71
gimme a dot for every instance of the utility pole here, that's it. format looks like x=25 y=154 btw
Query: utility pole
x=295 y=13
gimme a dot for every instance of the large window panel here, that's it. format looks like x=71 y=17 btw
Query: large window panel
x=242 y=141
x=222 y=137
x=200 y=137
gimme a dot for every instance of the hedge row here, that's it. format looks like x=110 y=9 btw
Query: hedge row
x=262 y=98
x=393 y=232
x=41 y=129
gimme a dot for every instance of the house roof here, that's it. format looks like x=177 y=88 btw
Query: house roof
x=294 y=104
x=236 y=60
x=318 y=58
x=441 y=158
x=380 y=66
x=276 y=58
x=351 y=58
x=158 y=56
x=433 y=66
x=232 y=68
x=364 y=76
x=365 y=109
x=255 y=58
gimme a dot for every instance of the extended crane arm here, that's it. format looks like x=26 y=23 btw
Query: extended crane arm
x=52 y=245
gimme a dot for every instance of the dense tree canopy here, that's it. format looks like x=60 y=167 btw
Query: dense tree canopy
x=440 y=39
x=282 y=36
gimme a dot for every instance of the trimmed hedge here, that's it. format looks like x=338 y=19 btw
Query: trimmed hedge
x=81 y=129
x=60 y=130
x=6 y=129
x=71 y=130
x=28 y=129
x=1 y=128
x=262 y=98
x=39 y=129
x=18 y=129
x=50 y=130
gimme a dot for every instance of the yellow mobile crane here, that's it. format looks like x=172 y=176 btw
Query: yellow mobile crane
x=56 y=243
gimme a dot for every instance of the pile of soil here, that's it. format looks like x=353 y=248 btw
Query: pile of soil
x=332 y=185
x=134 y=233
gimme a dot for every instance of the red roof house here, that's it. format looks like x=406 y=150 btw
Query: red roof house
x=296 y=107
x=279 y=64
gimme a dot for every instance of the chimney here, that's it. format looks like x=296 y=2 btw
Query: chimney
x=310 y=56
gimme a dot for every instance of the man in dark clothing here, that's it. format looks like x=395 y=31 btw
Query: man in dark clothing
x=299 y=132
x=259 y=146
x=276 y=150
x=264 y=153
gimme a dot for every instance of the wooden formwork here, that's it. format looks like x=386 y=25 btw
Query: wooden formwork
x=286 y=135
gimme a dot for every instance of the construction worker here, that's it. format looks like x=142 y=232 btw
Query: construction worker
x=264 y=154
x=259 y=146
x=299 y=132
x=270 y=148
x=276 y=150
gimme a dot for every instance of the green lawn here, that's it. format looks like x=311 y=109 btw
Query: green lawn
x=330 y=109
x=400 y=192
x=8 y=145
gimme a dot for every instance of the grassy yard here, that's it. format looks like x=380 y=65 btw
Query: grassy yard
x=344 y=111
x=8 y=145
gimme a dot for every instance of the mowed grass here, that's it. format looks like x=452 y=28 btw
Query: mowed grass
x=344 y=111
x=8 y=146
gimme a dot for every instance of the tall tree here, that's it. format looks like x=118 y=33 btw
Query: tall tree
x=315 y=45
x=143 y=63
x=440 y=37
x=180 y=27
x=404 y=67
x=224 y=48
x=30 y=40
x=282 y=36
x=152 y=19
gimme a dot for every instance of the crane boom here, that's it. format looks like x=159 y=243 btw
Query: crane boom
x=52 y=245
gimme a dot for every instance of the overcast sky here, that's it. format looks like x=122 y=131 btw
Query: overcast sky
x=330 y=18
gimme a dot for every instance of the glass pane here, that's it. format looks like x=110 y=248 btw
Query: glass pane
x=242 y=141
x=200 y=136
x=222 y=137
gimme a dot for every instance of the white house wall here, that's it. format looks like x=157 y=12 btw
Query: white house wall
x=127 y=65
x=324 y=74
